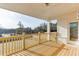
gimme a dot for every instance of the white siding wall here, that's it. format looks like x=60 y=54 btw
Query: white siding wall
x=63 y=26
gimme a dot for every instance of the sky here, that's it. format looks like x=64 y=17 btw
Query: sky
x=9 y=19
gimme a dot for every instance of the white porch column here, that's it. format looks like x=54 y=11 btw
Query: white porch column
x=48 y=31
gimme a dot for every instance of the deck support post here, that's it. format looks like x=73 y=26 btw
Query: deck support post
x=48 y=31
x=39 y=37
x=24 y=41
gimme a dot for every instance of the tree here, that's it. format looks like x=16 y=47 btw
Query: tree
x=28 y=30
x=20 y=30
x=53 y=27
x=20 y=25
x=41 y=28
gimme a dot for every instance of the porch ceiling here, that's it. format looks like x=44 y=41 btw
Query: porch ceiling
x=40 y=10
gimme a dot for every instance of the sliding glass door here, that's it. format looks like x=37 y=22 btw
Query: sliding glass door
x=74 y=31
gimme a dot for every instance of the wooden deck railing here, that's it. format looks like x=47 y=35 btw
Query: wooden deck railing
x=13 y=44
x=10 y=45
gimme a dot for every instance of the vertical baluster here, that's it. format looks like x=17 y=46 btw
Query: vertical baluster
x=39 y=37
x=6 y=46
x=2 y=47
x=19 y=43
x=12 y=45
x=23 y=43
x=16 y=44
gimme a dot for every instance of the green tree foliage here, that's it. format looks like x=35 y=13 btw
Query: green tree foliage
x=28 y=30
x=20 y=30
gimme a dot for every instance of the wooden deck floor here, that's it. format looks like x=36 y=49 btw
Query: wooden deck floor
x=49 y=49
x=69 y=50
x=44 y=49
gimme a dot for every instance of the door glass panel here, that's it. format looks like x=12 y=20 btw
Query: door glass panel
x=74 y=31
